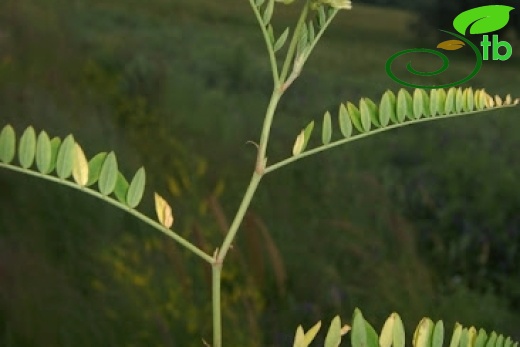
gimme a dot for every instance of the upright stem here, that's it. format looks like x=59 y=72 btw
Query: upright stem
x=216 y=270
x=261 y=160
x=230 y=236
x=220 y=255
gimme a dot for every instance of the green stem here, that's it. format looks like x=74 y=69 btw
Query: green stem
x=294 y=41
x=230 y=236
x=266 y=129
x=270 y=50
x=322 y=148
x=216 y=271
x=220 y=255
x=185 y=243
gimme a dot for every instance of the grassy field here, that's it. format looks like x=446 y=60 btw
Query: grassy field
x=181 y=86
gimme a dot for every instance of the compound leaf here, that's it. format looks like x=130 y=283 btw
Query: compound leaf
x=401 y=110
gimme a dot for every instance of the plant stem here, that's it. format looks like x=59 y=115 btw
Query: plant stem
x=220 y=254
x=270 y=50
x=266 y=129
x=230 y=236
x=216 y=270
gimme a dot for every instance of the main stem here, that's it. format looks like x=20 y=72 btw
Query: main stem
x=258 y=173
x=220 y=254
x=216 y=271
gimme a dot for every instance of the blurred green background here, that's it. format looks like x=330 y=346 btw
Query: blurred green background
x=423 y=220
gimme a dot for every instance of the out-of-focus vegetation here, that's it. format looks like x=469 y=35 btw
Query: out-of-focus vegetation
x=422 y=220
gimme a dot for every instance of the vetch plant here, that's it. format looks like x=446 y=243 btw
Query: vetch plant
x=63 y=161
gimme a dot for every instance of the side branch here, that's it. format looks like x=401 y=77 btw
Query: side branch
x=322 y=148
x=179 y=239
